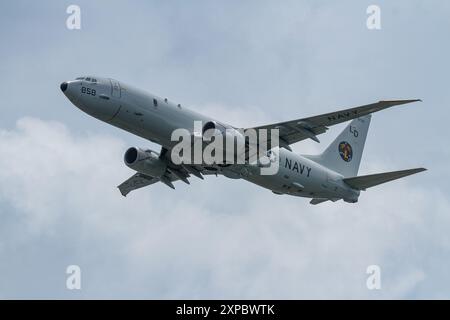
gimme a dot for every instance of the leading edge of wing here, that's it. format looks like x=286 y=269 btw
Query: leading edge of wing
x=356 y=112
x=335 y=117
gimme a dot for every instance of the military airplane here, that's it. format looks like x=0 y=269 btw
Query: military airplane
x=329 y=176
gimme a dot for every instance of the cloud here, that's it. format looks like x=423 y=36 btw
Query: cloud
x=62 y=208
x=219 y=238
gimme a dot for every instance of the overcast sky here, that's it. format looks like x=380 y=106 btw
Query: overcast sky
x=246 y=63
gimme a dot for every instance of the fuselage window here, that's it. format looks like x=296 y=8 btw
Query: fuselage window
x=155 y=102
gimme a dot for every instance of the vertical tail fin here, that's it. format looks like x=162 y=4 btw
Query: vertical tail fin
x=344 y=154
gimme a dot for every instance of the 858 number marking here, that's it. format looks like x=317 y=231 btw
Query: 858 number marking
x=90 y=91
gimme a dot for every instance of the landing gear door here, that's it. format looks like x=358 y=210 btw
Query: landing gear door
x=115 y=88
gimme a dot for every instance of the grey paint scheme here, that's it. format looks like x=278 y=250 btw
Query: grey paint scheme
x=133 y=110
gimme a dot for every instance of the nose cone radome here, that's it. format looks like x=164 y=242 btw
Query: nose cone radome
x=63 y=86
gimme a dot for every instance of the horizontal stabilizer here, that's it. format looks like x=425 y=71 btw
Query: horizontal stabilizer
x=364 y=182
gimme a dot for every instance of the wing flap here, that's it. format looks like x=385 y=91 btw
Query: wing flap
x=364 y=182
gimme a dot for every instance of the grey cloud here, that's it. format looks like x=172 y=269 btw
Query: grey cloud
x=197 y=242
x=249 y=64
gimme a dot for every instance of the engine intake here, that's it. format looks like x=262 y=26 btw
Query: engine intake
x=145 y=161
x=212 y=128
x=230 y=136
x=131 y=156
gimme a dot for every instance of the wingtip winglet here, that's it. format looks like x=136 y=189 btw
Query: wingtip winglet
x=417 y=170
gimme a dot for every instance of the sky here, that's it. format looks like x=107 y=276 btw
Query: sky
x=246 y=63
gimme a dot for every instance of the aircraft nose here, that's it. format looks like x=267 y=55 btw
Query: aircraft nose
x=63 y=86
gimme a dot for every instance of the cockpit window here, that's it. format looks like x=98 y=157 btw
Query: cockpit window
x=87 y=79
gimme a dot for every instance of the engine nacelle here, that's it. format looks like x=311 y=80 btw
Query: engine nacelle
x=230 y=135
x=145 y=161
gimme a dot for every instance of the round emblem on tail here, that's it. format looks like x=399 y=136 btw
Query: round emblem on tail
x=345 y=150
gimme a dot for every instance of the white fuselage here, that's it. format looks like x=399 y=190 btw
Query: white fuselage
x=155 y=119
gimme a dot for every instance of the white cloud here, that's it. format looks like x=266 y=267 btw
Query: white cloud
x=198 y=241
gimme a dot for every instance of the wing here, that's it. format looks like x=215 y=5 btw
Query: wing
x=308 y=128
x=173 y=173
x=315 y=201
x=137 y=181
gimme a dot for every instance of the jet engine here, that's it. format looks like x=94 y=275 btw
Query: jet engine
x=231 y=136
x=145 y=161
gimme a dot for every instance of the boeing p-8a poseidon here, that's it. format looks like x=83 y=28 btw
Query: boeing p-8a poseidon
x=331 y=175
